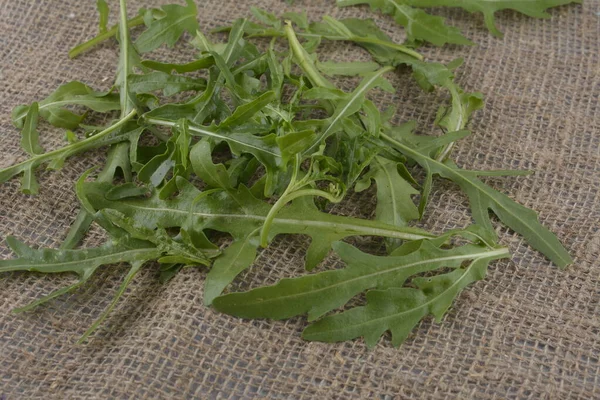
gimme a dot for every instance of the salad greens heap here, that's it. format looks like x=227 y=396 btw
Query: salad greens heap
x=253 y=139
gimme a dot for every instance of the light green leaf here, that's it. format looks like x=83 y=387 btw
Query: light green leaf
x=394 y=202
x=128 y=59
x=483 y=198
x=118 y=132
x=238 y=256
x=531 y=8
x=347 y=68
x=239 y=213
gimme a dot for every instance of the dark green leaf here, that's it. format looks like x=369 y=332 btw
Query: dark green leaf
x=418 y=24
x=399 y=310
x=72 y=93
x=531 y=8
x=483 y=198
x=320 y=293
x=169 y=28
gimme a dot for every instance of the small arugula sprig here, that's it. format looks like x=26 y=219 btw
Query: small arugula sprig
x=421 y=26
x=289 y=143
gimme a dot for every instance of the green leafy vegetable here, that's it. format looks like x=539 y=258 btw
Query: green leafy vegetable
x=72 y=93
x=169 y=27
x=320 y=293
x=29 y=134
x=483 y=198
x=418 y=24
x=103 y=12
x=397 y=309
x=531 y=8
x=211 y=159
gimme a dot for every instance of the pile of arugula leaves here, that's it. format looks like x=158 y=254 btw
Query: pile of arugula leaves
x=289 y=142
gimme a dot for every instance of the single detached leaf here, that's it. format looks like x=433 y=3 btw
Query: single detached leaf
x=72 y=93
x=399 y=310
x=483 y=198
x=319 y=293
x=531 y=8
x=235 y=258
x=418 y=24
x=128 y=59
x=118 y=132
x=82 y=262
x=169 y=28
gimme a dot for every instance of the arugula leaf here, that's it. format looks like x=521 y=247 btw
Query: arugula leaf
x=201 y=63
x=81 y=262
x=236 y=258
x=318 y=294
x=29 y=133
x=108 y=34
x=264 y=148
x=169 y=27
x=394 y=203
x=483 y=198
x=175 y=157
x=399 y=309
x=115 y=133
x=168 y=83
x=418 y=24
x=128 y=59
x=239 y=213
x=531 y=8
x=72 y=93
x=116 y=160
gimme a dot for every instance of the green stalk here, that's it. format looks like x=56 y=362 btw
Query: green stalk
x=304 y=59
x=77 y=50
x=63 y=152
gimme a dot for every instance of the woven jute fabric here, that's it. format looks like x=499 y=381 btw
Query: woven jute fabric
x=527 y=331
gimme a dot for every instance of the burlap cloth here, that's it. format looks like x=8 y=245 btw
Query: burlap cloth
x=527 y=331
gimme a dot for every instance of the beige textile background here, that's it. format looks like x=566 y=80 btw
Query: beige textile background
x=527 y=331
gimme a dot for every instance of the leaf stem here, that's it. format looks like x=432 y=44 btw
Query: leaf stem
x=77 y=50
x=353 y=38
x=303 y=58
x=66 y=151
x=264 y=232
x=460 y=123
